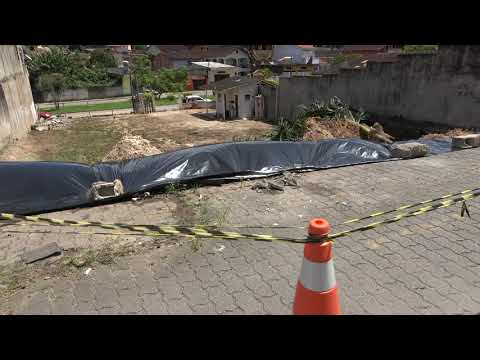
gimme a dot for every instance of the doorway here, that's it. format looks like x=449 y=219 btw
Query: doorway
x=236 y=106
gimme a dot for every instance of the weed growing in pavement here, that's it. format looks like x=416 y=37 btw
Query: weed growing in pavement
x=175 y=189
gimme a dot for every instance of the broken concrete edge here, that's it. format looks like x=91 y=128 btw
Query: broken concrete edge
x=102 y=190
x=466 y=141
x=409 y=150
x=41 y=253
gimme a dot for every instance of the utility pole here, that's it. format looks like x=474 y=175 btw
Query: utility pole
x=206 y=87
x=130 y=65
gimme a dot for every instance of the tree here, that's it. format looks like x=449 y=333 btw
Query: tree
x=169 y=80
x=264 y=73
x=102 y=58
x=57 y=60
x=422 y=49
x=74 y=66
x=341 y=58
x=163 y=80
x=54 y=83
x=142 y=70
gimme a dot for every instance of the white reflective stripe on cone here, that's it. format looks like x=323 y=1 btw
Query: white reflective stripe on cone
x=317 y=276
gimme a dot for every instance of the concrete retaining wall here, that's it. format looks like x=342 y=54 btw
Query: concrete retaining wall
x=442 y=88
x=17 y=110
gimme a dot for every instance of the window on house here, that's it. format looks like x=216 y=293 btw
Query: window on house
x=247 y=97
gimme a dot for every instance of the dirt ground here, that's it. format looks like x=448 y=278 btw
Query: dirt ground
x=88 y=140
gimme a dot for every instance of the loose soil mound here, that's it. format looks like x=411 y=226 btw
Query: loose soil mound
x=446 y=135
x=134 y=146
x=330 y=129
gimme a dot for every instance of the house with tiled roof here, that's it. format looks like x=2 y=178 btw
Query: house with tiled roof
x=176 y=56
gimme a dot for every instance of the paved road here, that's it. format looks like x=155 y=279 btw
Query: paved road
x=118 y=111
x=429 y=264
x=110 y=100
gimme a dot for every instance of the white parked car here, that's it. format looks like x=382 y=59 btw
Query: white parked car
x=195 y=101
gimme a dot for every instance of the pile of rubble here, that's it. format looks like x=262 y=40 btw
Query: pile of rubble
x=330 y=129
x=325 y=128
x=50 y=123
x=447 y=135
x=278 y=184
x=131 y=147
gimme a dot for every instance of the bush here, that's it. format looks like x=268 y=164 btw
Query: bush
x=420 y=49
x=54 y=83
x=102 y=59
x=290 y=129
x=74 y=67
x=335 y=109
x=295 y=129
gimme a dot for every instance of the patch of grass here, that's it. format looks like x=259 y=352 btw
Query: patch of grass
x=126 y=104
x=105 y=255
x=12 y=278
x=117 y=105
x=209 y=213
x=86 y=141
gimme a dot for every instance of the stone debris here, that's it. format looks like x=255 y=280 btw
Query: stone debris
x=409 y=150
x=466 y=141
x=325 y=128
x=286 y=179
x=446 y=135
x=51 y=249
x=51 y=123
x=375 y=133
x=142 y=196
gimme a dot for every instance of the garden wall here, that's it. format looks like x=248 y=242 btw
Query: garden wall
x=84 y=94
x=17 y=110
x=442 y=88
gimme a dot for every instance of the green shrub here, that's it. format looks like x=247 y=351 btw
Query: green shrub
x=420 y=49
x=290 y=129
x=294 y=129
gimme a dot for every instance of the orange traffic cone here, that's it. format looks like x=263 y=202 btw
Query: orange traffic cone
x=317 y=292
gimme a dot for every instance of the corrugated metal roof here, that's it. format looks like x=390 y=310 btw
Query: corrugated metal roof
x=232 y=82
x=363 y=47
x=212 y=65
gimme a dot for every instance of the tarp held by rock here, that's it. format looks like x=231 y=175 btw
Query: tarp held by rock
x=33 y=187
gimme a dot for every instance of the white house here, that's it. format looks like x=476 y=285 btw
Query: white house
x=235 y=97
x=216 y=71
x=299 y=54
x=230 y=56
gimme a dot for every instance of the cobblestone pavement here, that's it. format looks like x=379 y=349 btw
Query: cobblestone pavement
x=428 y=264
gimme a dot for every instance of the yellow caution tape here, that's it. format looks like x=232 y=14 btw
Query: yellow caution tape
x=405 y=207
x=213 y=232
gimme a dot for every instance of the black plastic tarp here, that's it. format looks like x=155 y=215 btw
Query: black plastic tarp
x=33 y=187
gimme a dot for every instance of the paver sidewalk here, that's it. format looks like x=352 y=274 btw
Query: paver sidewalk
x=428 y=264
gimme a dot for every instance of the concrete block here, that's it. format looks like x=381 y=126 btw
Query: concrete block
x=409 y=150
x=466 y=141
x=101 y=190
